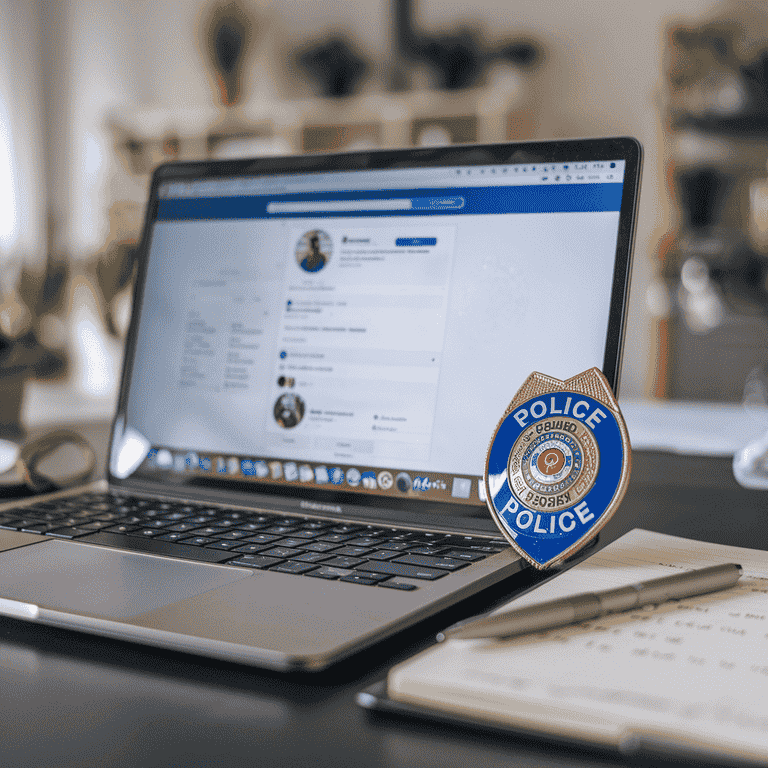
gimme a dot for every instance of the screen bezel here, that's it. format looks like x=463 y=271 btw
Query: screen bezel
x=253 y=492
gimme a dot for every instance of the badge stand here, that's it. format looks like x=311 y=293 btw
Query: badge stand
x=558 y=466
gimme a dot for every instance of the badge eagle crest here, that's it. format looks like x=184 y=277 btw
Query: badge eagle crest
x=558 y=465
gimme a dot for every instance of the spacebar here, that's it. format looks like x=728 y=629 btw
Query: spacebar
x=154 y=547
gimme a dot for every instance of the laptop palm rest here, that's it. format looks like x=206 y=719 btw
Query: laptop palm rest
x=71 y=577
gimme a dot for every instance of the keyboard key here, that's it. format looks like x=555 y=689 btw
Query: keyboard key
x=402 y=569
x=281 y=529
x=346 y=528
x=444 y=563
x=312 y=557
x=210 y=530
x=260 y=520
x=19 y=523
x=151 y=513
x=357 y=578
x=249 y=526
x=293 y=567
x=122 y=529
x=107 y=516
x=324 y=572
x=224 y=545
x=336 y=538
x=198 y=541
x=39 y=528
x=463 y=541
x=250 y=549
x=320 y=546
x=292 y=542
x=254 y=561
x=301 y=534
x=429 y=539
x=180 y=527
x=464 y=554
x=131 y=520
x=282 y=552
x=100 y=506
x=375 y=576
x=395 y=546
x=96 y=525
x=155 y=546
x=315 y=525
x=392 y=584
x=68 y=533
x=233 y=535
x=352 y=551
x=365 y=541
x=171 y=536
x=382 y=554
x=426 y=550
x=345 y=562
x=262 y=538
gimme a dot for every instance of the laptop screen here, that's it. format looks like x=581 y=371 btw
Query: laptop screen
x=362 y=331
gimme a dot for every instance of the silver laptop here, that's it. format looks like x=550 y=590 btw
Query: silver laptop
x=320 y=349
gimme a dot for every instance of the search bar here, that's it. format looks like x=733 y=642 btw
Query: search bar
x=443 y=203
x=313 y=206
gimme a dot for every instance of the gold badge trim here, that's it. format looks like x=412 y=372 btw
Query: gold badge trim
x=592 y=383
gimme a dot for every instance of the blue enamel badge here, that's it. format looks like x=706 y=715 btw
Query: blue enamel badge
x=558 y=465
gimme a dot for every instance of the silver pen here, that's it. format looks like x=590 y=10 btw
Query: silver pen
x=592 y=605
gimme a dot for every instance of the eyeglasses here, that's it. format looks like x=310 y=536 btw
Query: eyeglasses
x=57 y=460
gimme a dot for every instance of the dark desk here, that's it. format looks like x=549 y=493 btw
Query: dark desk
x=72 y=700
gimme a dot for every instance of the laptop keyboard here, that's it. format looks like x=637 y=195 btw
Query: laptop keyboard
x=354 y=553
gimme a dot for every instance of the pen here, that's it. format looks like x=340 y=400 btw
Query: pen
x=592 y=605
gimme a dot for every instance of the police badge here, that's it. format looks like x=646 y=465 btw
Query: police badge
x=557 y=466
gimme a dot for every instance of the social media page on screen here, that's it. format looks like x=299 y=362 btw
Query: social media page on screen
x=374 y=323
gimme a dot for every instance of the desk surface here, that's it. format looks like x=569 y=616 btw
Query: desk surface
x=73 y=700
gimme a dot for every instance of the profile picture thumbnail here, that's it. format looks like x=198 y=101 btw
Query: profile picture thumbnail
x=314 y=250
x=289 y=410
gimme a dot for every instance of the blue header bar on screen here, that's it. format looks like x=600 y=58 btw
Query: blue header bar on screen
x=555 y=198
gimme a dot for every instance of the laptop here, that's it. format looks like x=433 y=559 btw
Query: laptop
x=320 y=349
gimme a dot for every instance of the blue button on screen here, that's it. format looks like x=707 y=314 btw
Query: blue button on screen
x=402 y=242
x=446 y=203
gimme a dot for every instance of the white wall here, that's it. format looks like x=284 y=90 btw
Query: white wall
x=22 y=199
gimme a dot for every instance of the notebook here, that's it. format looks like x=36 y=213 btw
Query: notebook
x=685 y=678
x=319 y=350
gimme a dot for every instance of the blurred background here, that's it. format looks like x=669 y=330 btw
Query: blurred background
x=95 y=93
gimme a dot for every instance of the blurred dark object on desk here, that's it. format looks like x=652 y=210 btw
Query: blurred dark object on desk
x=50 y=461
x=714 y=265
x=23 y=355
x=13 y=370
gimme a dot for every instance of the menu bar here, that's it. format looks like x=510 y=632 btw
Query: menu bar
x=594 y=172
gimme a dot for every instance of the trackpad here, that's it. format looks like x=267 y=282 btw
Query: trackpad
x=67 y=576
